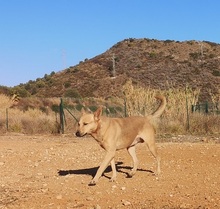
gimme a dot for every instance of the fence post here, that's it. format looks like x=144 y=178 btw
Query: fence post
x=61 y=116
x=7 y=119
x=187 y=112
x=206 y=107
x=125 y=106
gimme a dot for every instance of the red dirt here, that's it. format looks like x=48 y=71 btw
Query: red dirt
x=54 y=172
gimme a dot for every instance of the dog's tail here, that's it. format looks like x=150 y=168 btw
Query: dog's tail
x=161 y=108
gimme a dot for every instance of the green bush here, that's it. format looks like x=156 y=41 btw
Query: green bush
x=93 y=108
x=216 y=72
x=72 y=93
x=67 y=84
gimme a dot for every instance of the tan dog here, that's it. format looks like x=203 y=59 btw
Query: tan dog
x=118 y=133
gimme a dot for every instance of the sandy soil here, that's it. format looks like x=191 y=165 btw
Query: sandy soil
x=54 y=172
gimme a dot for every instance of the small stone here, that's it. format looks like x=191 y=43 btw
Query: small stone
x=123 y=188
x=44 y=190
x=89 y=198
x=97 y=207
x=125 y=202
x=59 y=197
x=184 y=205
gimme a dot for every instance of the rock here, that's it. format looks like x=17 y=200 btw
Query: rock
x=2 y=163
x=97 y=207
x=59 y=197
x=89 y=198
x=125 y=202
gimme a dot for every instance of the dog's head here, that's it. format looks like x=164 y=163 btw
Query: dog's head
x=89 y=122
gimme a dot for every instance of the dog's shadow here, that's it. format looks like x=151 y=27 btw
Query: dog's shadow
x=92 y=171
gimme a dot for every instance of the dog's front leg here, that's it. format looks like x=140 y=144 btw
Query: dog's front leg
x=108 y=158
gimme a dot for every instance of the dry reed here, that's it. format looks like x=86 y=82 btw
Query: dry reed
x=30 y=121
x=177 y=118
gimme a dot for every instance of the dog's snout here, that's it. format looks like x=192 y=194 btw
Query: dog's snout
x=78 y=134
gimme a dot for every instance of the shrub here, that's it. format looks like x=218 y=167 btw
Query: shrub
x=40 y=83
x=194 y=55
x=29 y=121
x=52 y=73
x=141 y=101
x=79 y=107
x=93 y=108
x=72 y=93
x=67 y=84
x=216 y=72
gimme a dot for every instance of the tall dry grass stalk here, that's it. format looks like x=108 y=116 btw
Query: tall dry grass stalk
x=215 y=97
x=5 y=101
x=139 y=100
x=177 y=116
x=178 y=111
x=40 y=119
x=30 y=121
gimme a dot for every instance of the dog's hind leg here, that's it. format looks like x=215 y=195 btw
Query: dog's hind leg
x=153 y=150
x=131 y=151
x=114 y=172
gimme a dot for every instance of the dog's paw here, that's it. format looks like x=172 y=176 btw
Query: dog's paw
x=92 y=183
x=130 y=174
x=113 y=179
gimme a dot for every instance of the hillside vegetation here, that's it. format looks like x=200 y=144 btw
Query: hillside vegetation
x=41 y=115
x=148 y=63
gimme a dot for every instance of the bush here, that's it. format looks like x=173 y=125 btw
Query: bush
x=72 y=93
x=67 y=84
x=216 y=72
x=141 y=101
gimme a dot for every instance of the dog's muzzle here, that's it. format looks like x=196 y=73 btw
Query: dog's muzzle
x=78 y=134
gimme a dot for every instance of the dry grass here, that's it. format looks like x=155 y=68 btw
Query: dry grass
x=30 y=121
x=177 y=118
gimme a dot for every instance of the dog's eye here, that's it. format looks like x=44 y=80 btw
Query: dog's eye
x=85 y=124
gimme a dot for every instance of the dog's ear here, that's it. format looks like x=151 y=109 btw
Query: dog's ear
x=98 y=113
x=83 y=112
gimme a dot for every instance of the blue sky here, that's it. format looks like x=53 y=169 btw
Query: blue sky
x=41 y=36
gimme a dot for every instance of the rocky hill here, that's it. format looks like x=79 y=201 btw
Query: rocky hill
x=148 y=62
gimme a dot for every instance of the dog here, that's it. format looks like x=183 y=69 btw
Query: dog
x=114 y=134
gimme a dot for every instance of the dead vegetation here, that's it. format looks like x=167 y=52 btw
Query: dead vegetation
x=35 y=115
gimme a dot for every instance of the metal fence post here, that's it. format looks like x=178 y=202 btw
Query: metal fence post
x=7 y=119
x=187 y=112
x=125 y=106
x=61 y=116
x=206 y=107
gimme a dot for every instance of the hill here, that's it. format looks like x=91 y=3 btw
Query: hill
x=148 y=62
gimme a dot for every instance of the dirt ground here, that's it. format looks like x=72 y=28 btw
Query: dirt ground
x=54 y=172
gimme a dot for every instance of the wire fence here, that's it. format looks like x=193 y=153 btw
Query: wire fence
x=207 y=108
x=74 y=112
x=67 y=114
x=121 y=111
